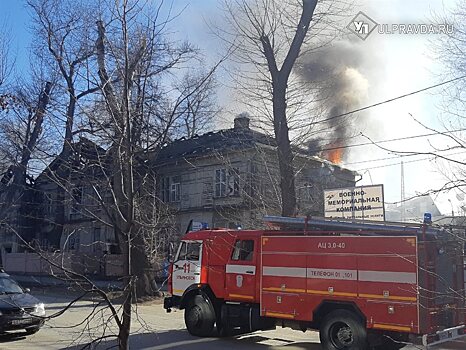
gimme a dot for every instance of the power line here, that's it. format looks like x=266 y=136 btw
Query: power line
x=398 y=157
x=405 y=162
x=393 y=164
x=384 y=102
x=389 y=140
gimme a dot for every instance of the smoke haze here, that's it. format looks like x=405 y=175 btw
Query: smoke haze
x=341 y=72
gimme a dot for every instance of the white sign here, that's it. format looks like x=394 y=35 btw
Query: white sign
x=363 y=203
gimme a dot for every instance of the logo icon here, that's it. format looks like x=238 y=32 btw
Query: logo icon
x=362 y=25
x=239 y=281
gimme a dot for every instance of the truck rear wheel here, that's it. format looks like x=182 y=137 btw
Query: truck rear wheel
x=199 y=317
x=343 y=330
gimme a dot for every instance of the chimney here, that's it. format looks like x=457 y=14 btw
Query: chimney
x=242 y=121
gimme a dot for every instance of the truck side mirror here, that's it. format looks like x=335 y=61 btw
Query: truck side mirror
x=171 y=252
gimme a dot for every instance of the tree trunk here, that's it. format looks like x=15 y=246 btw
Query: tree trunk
x=140 y=265
x=63 y=173
x=18 y=172
x=125 y=328
x=280 y=78
x=124 y=227
x=285 y=155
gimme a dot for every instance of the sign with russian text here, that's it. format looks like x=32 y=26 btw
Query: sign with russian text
x=362 y=203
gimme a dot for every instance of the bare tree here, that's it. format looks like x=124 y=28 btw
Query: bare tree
x=269 y=37
x=199 y=108
x=65 y=46
x=5 y=98
x=109 y=88
x=65 y=30
x=128 y=64
x=6 y=61
x=24 y=137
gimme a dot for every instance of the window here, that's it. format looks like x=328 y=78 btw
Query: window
x=77 y=194
x=243 y=250
x=48 y=205
x=73 y=242
x=97 y=239
x=308 y=192
x=175 y=189
x=170 y=189
x=165 y=189
x=226 y=182
x=189 y=251
x=220 y=182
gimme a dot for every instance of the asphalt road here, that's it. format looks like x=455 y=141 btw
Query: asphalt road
x=153 y=329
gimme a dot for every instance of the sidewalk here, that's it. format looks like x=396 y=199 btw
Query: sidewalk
x=30 y=281
x=40 y=284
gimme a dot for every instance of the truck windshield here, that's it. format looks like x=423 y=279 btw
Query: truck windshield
x=189 y=251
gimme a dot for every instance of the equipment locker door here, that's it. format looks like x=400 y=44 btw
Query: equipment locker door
x=241 y=270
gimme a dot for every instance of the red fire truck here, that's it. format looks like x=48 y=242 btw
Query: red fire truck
x=357 y=283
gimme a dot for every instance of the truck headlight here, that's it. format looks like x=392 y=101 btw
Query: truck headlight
x=39 y=310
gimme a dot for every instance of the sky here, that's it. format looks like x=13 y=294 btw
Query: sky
x=402 y=64
x=405 y=66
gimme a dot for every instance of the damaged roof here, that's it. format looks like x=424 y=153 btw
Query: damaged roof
x=238 y=137
x=229 y=139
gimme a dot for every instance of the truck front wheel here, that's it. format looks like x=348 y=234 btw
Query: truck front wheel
x=342 y=330
x=199 y=317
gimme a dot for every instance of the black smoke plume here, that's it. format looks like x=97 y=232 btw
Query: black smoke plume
x=339 y=71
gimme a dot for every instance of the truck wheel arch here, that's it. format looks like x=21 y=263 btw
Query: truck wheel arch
x=327 y=306
x=197 y=289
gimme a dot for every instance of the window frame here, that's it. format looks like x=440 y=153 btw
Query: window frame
x=180 y=256
x=175 y=189
x=170 y=189
x=240 y=252
x=226 y=182
x=97 y=241
x=220 y=182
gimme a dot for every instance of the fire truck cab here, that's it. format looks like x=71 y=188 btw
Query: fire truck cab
x=357 y=283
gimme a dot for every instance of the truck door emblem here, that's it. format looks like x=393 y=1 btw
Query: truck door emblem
x=239 y=281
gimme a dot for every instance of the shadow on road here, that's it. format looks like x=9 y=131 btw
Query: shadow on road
x=181 y=339
x=50 y=307
x=11 y=337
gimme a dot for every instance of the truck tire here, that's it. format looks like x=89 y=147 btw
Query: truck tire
x=343 y=330
x=199 y=317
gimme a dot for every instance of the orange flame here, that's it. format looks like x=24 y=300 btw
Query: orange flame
x=335 y=155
